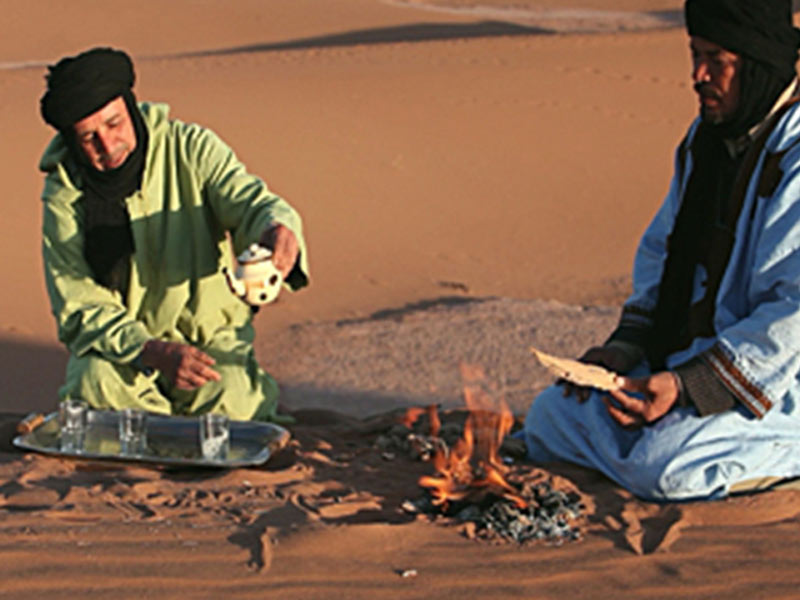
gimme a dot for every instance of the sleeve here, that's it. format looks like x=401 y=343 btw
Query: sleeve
x=89 y=317
x=757 y=358
x=242 y=202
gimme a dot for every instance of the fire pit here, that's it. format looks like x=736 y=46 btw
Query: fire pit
x=478 y=485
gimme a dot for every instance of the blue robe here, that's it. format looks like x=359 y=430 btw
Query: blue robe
x=755 y=353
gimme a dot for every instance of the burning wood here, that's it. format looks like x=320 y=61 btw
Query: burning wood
x=474 y=485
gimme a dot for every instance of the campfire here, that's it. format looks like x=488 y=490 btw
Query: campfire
x=476 y=486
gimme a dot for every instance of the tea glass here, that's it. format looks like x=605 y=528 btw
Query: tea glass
x=132 y=432
x=73 y=415
x=214 y=436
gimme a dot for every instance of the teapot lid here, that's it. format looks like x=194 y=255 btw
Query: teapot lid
x=255 y=253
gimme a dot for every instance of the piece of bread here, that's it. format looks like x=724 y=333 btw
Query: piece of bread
x=579 y=373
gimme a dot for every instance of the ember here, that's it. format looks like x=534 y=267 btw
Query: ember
x=475 y=486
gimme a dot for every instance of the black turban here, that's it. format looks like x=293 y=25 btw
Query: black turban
x=79 y=85
x=761 y=32
x=759 y=29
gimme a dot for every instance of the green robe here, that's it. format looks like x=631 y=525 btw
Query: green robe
x=196 y=209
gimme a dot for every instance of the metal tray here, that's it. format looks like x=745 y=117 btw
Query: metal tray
x=170 y=441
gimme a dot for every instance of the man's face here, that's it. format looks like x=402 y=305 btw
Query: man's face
x=716 y=75
x=107 y=136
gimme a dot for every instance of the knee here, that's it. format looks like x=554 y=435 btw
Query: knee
x=661 y=478
x=544 y=402
x=544 y=408
x=109 y=386
x=92 y=378
x=674 y=482
x=260 y=400
x=244 y=392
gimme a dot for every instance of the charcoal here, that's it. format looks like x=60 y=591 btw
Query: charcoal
x=423 y=504
x=451 y=433
x=423 y=447
x=384 y=442
x=469 y=513
x=398 y=431
x=419 y=446
x=552 y=516
x=514 y=448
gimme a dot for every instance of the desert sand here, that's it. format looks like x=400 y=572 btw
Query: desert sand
x=474 y=177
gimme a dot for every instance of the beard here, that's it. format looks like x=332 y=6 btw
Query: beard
x=709 y=115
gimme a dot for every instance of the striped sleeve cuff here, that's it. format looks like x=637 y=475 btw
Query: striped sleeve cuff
x=737 y=383
x=702 y=388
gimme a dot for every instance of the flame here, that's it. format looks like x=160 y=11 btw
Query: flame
x=413 y=414
x=433 y=419
x=473 y=466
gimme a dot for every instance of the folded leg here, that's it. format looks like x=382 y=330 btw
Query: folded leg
x=682 y=456
x=107 y=386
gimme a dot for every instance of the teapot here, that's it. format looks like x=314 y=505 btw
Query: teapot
x=257 y=281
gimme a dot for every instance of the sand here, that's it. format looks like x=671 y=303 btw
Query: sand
x=474 y=177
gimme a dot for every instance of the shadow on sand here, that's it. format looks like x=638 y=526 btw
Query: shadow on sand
x=416 y=32
x=413 y=32
x=30 y=375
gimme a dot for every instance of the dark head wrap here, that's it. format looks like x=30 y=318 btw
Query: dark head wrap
x=77 y=87
x=760 y=31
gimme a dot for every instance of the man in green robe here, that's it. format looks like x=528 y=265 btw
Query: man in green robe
x=141 y=215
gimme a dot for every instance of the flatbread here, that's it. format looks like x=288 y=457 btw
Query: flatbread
x=579 y=373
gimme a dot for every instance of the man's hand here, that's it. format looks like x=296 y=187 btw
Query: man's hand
x=609 y=357
x=186 y=367
x=660 y=391
x=283 y=244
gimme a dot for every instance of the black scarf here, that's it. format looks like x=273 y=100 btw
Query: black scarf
x=700 y=236
x=108 y=240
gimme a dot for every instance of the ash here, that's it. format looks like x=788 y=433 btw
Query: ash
x=552 y=516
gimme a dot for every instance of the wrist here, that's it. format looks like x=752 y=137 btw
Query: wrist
x=142 y=360
x=680 y=399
